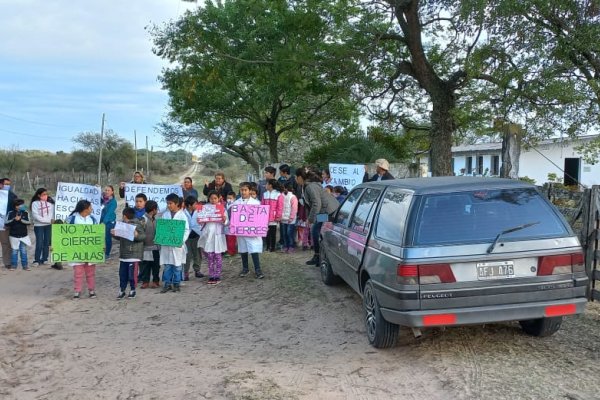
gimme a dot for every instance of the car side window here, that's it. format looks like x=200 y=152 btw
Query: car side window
x=361 y=219
x=343 y=215
x=392 y=215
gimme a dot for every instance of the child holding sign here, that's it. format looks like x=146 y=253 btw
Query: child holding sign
x=131 y=253
x=82 y=214
x=212 y=240
x=249 y=244
x=173 y=257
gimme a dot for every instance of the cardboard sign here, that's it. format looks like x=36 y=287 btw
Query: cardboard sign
x=68 y=194
x=152 y=192
x=169 y=232
x=210 y=213
x=346 y=175
x=78 y=243
x=249 y=220
x=3 y=207
x=124 y=230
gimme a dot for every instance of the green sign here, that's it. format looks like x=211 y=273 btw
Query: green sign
x=78 y=243
x=169 y=232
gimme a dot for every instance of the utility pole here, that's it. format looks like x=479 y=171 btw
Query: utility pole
x=147 y=158
x=135 y=147
x=100 y=156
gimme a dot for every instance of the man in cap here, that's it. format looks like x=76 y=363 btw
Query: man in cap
x=382 y=170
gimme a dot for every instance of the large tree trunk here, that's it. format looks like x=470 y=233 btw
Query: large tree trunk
x=511 y=151
x=441 y=92
x=440 y=136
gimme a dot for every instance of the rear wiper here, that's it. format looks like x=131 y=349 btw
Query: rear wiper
x=509 y=230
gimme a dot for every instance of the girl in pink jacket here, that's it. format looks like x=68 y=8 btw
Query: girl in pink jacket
x=274 y=199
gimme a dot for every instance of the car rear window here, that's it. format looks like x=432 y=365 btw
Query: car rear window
x=479 y=216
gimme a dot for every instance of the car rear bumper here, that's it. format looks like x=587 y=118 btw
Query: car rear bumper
x=485 y=314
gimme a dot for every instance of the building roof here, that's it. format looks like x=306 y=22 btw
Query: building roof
x=497 y=146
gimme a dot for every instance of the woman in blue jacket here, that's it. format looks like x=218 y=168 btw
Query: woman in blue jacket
x=109 y=215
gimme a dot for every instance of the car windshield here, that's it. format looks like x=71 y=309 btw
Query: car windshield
x=479 y=216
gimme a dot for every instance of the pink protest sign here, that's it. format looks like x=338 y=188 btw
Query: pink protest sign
x=210 y=213
x=249 y=220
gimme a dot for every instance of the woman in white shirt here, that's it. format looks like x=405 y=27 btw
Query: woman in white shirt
x=42 y=213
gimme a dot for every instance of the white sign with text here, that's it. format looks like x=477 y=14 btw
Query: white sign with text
x=346 y=175
x=68 y=194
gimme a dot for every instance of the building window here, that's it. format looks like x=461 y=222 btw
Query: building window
x=495 y=166
x=469 y=165
x=480 y=165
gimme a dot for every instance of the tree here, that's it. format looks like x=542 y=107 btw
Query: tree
x=248 y=74
x=117 y=153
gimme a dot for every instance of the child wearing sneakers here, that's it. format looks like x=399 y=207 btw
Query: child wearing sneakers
x=82 y=214
x=131 y=253
x=273 y=198
x=171 y=257
x=212 y=240
x=151 y=259
x=17 y=220
x=249 y=244
x=288 y=218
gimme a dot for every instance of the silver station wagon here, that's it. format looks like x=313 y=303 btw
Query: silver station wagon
x=446 y=251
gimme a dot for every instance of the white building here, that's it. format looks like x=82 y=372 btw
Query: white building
x=556 y=156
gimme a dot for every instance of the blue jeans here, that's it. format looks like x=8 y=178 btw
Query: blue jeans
x=289 y=236
x=15 y=255
x=108 y=238
x=172 y=274
x=315 y=232
x=128 y=271
x=42 y=243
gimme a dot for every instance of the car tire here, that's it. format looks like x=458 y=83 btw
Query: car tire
x=327 y=275
x=381 y=333
x=541 y=327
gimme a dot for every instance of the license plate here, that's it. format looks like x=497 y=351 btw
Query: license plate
x=495 y=270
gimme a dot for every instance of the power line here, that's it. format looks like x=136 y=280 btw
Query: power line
x=35 y=136
x=35 y=122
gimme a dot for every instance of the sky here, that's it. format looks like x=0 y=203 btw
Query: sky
x=65 y=63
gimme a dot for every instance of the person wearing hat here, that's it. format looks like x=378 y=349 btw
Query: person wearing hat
x=382 y=170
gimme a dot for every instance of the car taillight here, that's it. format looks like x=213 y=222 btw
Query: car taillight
x=561 y=264
x=408 y=274
x=425 y=274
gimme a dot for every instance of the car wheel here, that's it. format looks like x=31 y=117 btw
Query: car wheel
x=541 y=327
x=327 y=275
x=381 y=333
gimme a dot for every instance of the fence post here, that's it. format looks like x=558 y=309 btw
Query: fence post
x=591 y=235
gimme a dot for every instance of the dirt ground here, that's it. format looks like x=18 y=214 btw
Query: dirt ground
x=285 y=337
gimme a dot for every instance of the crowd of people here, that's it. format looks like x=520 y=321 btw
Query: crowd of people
x=298 y=206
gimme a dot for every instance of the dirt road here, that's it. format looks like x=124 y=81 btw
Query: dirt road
x=285 y=337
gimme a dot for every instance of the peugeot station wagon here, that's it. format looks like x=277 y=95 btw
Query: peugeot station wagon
x=445 y=251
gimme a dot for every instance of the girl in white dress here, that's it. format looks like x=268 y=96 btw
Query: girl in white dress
x=212 y=240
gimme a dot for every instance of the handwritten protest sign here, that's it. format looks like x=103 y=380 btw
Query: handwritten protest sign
x=346 y=175
x=3 y=207
x=124 y=230
x=152 y=192
x=169 y=232
x=210 y=213
x=68 y=194
x=78 y=243
x=249 y=220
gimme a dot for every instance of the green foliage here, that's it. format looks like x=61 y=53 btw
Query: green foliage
x=247 y=75
x=117 y=153
x=527 y=179
x=352 y=150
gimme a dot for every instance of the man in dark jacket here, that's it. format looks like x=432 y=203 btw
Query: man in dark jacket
x=383 y=167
